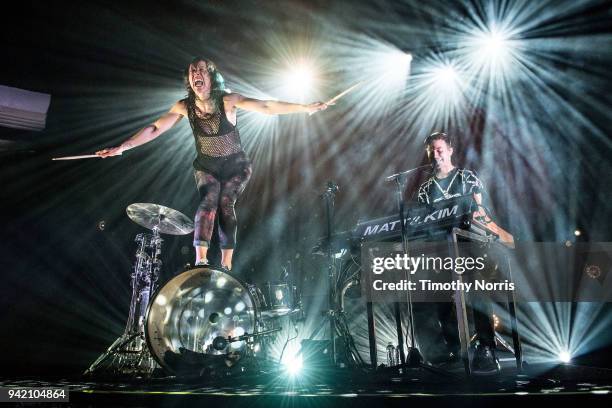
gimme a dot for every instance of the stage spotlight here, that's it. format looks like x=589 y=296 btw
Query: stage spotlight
x=493 y=45
x=439 y=89
x=492 y=51
x=396 y=66
x=293 y=364
x=577 y=233
x=445 y=83
x=565 y=357
x=446 y=76
x=298 y=81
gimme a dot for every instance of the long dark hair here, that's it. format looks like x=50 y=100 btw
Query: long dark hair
x=217 y=84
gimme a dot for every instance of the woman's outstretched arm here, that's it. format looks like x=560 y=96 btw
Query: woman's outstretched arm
x=148 y=133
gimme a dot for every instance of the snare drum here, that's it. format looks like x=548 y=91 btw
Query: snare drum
x=280 y=299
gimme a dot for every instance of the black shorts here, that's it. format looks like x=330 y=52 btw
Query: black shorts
x=225 y=167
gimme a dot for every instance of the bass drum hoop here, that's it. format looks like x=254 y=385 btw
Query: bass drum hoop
x=185 y=275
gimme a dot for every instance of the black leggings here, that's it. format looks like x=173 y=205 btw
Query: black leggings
x=220 y=190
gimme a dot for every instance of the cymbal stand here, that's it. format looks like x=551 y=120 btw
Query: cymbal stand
x=129 y=354
x=329 y=196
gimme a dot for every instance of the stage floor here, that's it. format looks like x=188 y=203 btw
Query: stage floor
x=537 y=384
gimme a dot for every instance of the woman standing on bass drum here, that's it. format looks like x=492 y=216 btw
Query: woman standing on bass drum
x=222 y=168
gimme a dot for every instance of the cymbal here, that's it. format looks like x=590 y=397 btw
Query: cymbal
x=168 y=221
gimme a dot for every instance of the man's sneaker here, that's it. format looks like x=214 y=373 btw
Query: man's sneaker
x=485 y=362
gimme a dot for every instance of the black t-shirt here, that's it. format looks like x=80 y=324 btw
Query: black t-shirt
x=458 y=182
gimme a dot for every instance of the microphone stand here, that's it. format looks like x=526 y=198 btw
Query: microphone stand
x=414 y=359
x=402 y=174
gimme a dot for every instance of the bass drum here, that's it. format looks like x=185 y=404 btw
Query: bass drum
x=191 y=316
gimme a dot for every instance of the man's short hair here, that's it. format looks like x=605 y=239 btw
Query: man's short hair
x=439 y=136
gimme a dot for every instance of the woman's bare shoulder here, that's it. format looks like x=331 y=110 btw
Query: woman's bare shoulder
x=180 y=107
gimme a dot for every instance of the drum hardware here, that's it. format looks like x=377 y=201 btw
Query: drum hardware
x=258 y=295
x=193 y=317
x=203 y=320
x=220 y=343
x=129 y=354
x=500 y=342
x=329 y=195
x=280 y=299
x=352 y=282
x=334 y=316
x=166 y=220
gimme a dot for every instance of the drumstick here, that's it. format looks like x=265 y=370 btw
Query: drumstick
x=341 y=94
x=84 y=156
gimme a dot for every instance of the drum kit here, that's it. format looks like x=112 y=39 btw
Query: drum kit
x=203 y=322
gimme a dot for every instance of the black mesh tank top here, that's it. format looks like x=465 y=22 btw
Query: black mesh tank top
x=215 y=136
